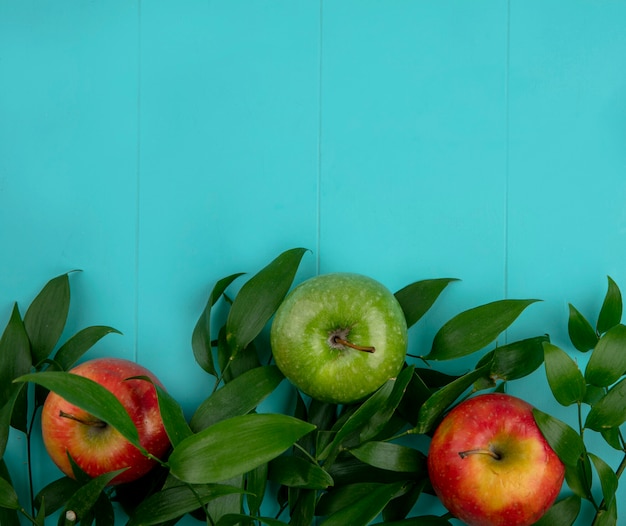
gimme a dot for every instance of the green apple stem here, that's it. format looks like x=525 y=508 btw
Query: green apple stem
x=91 y=422
x=479 y=451
x=346 y=343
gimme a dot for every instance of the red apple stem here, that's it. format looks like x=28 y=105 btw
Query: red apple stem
x=364 y=348
x=91 y=422
x=489 y=452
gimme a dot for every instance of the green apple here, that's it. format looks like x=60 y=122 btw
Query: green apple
x=490 y=465
x=338 y=337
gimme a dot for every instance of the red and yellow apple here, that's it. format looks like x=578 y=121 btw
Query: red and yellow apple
x=490 y=465
x=95 y=446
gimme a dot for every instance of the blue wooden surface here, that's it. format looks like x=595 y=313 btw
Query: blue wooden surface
x=159 y=146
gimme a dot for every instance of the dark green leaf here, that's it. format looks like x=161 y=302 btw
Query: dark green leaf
x=608 y=516
x=581 y=333
x=90 y=396
x=297 y=472
x=365 y=510
x=612 y=437
x=608 y=478
x=174 y=502
x=440 y=400
x=238 y=397
x=45 y=318
x=8 y=516
x=103 y=511
x=256 y=484
x=56 y=494
x=564 y=377
x=8 y=496
x=610 y=411
x=562 y=513
x=565 y=442
x=69 y=353
x=172 y=414
x=201 y=337
x=85 y=497
x=607 y=362
x=233 y=519
x=7 y=414
x=301 y=506
x=235 y=446
x=417 y=392
x=417 y=298
x=579 y=478
x=518 y=359
x=611 y=311
x=259 y=298
x=473 y=329
x=14 y=355
x=393 y=457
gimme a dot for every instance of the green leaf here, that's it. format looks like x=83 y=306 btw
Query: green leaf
x=611 y=436
x=565 y=442
x=238 y=397
x=393 y=457
x=564 y=377
x=172 y=414
x=201 y=337
x=176 y=501
x=440 y=400
x=256 y=484
x=235 y=446
x=562 y=513
x=610 y=411
x=417 y=298
x=296 y=472
x=90 y=396
x=85 y=497
x=259 y=298
x=608 y=478
x=45 y=318
x=233 y=519
x=7 y=414
x=473 y=329
x=608 y=516
x=611 y=311
x=14 y=355
x=518 y=359
x=69 y=353
x=579 y=478
x=422 y=520
x=56 y=494
x=580 y=331
x=607 y=362
x=8 y=496
x=367 y=509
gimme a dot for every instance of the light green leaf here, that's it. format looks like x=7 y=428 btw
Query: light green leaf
x=564 y=377
x=46 y=316
x=473 y=329
x=443 y=398
x=610 y=411
x=8 y=496
x=611 y=311
x=417 y=298
x=367 y=509
x=14 y=355
x=392 y=457
x=90 y=396
x=235 y=446
x=608 y=478
x=259 y=298
x=562 y=513
x=201 y=337
x=607 y=362
x=565 y=442
x=238 y=397
x=580 y=331
x=176 y=501
x=69 y=353
x=296 y=472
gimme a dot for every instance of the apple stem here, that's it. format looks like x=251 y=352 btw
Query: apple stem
x=364 y=348
x=94 y=423
x=489 y=452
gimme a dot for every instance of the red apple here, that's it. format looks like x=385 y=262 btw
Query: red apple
x=490 y=465
x=99 y=448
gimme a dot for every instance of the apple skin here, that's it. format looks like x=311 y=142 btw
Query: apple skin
x=359 y=309
x=480 y=490
x=99 y=449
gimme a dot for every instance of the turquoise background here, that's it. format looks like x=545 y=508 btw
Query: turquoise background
x=159 y=146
